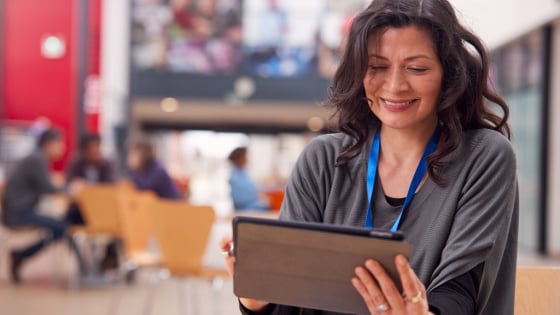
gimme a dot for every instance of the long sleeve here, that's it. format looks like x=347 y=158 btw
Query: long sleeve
x=156 y=179
x=457 y=296
x=29 y=181
x=39 y=174
x=484 y=228
x=306 y=192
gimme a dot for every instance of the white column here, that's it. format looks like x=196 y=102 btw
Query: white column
x=115 y=39
x=553 y=206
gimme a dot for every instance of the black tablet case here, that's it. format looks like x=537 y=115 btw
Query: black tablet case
x=310 y=268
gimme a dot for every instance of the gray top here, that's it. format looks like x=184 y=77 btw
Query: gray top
x=472 y=220
x=29 y=180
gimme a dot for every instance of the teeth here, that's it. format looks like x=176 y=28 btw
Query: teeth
x=398 y=103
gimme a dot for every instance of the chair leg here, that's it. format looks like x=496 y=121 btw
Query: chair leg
x=182 y=297
x=4 y=250
x=115 y=299
x=217 y=286
x=75 y=280
x=160 y=275
x=195 y=300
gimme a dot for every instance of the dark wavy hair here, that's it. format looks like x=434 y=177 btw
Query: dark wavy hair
x=465 y=96
x=147 y=153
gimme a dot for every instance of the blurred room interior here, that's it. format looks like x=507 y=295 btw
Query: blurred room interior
x=200 y=78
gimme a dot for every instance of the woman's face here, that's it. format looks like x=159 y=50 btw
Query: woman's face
x=133 y=159
x=403 y=79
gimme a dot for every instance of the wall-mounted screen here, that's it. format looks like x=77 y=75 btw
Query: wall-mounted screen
x=285 y=49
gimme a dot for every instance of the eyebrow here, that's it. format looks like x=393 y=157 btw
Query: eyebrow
x=406 y=59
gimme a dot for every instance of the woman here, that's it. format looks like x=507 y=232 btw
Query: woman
x=147 y=173
x=412 y=99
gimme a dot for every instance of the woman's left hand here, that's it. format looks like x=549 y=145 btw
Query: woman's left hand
x=381 y=294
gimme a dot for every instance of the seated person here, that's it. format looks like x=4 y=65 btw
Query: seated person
x=29 y=181
x=243 y=190
x=147 y=173
x=91 y=167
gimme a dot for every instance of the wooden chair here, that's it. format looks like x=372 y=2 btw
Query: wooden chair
x=100 y=208
x=136 y=232
x=537 y=291
x=182 y=232
x=136 y=229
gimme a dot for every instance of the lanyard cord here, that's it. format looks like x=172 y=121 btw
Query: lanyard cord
x=419 y=174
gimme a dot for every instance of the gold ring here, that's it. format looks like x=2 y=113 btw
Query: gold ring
x=415 y=299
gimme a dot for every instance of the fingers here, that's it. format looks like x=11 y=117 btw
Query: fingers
x=226 y=243
x=419 y=285
x=408 y=281
x=368 y=289
x=387 y=286
x=413 y=289
x=377 y=288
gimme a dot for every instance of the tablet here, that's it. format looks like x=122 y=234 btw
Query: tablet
x=308 y=265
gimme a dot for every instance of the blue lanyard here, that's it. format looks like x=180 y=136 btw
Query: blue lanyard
x=419 y=174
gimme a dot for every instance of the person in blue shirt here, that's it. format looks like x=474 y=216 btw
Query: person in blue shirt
x=244 y=191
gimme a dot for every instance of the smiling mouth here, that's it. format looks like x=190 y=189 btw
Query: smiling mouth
x=398 y=105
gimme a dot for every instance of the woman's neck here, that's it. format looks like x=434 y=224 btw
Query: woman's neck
x=405 y=146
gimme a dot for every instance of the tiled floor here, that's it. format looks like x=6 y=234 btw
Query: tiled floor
x=47 y=290
x=45 y=294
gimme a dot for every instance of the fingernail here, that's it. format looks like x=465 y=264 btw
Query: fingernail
x=371 y=264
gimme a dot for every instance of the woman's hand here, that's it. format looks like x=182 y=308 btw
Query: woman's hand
x=226 y=246
x=381 y=294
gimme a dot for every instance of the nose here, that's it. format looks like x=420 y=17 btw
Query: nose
x=396 y=81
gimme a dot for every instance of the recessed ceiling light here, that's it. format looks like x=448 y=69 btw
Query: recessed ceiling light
x=169 y=105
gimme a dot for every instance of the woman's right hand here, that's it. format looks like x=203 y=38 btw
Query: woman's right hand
x=226 y=246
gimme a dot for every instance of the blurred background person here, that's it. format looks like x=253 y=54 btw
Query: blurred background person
x=27 y=184
x=244 y=192
x=147 y=173
x=91 y=167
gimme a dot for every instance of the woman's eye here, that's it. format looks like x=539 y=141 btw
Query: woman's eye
x=417 y=69
x=377 y=67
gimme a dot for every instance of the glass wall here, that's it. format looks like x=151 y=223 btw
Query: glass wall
x=518 y=74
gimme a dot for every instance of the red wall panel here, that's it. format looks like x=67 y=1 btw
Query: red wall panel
x=33 y=85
